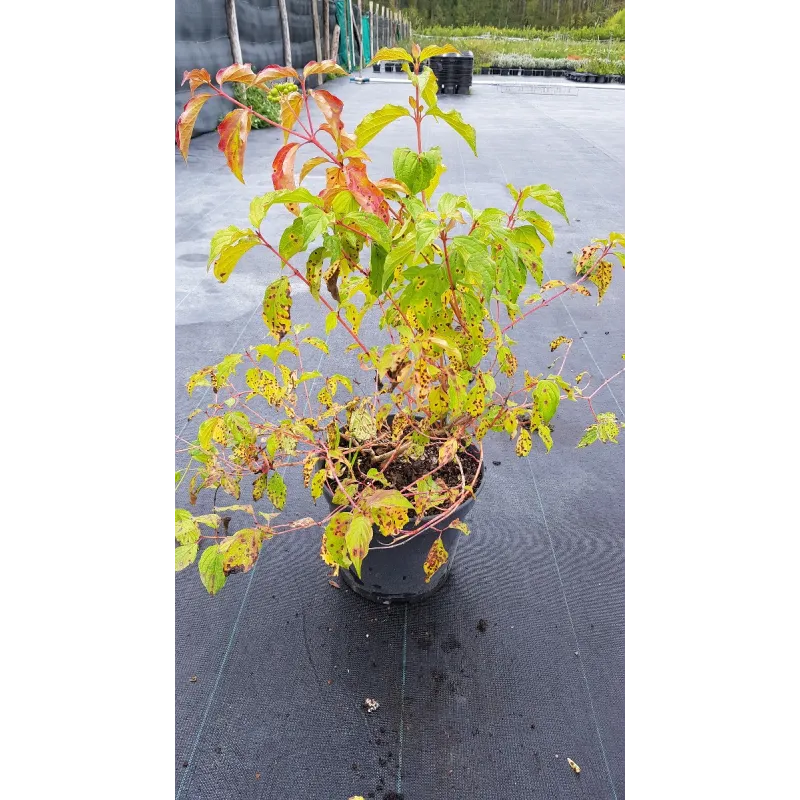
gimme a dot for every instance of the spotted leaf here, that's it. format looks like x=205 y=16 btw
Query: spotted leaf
x=366 y=193
x=600 y=276
x=276 y=490
x=317 y=482
x=556 y=343
x=277 y=307
x=524 y=443
x=334 y=548
x=240 y=551
x=437 y=557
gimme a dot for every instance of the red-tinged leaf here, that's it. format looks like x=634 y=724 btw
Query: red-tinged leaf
x=367 y=194
x=283 y=167
x=322 y=68
x=291 y=106
x=273 y=72
x=330 y=106
x=233 y=131
x=241 y=73
x=196 y=77
x=185 y=124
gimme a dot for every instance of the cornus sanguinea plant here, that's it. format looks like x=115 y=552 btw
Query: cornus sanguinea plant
x=444 y=281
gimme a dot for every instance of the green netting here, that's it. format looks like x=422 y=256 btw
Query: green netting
x=365 y=37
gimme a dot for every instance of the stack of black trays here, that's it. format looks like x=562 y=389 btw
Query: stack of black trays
x=453 y=71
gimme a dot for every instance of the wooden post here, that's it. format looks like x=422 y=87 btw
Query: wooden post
x=351 y=36
x=326 y=23
x=335 y=42
x=233 y=31
x=317 y=43
x=360 y=39
x=287 y=43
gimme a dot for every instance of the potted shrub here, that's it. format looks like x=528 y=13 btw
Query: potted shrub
x=398 y=460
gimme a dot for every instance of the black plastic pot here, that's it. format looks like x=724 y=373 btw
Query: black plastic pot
x=591 y=77
x=547 y=73
x=527 y=72
x=395 y=574
x=376 y=67
x=486 y=71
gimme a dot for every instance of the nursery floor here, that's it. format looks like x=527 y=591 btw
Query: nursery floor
x=283 y=661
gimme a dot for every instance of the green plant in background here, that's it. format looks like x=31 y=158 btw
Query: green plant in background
x=617 y=24
x=446 y=283
x=266 y=102
x=258 y=100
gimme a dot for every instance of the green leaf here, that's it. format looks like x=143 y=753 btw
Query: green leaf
x=436 y=50
x=388 y=498
x=547 y=196
x=544 y=226
x=372 y=226
x=416 y=170
x=315 y=222
x=432 y=186
x=211 y=572
x=318 y=343
x=397 y=255
x=260 y=205
x=185 y=555
x=374 y=123
x=429 y=86
x=427 y=230
x=454 y=120
x=357 y=539
x=391 y=54
x=293 y=239
x=187 y=530
x=528 y=236
x=330 y=321
x=276 y=490
x=377 y=260
x=230 y=254
x=546 y=397
x=277 y=307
